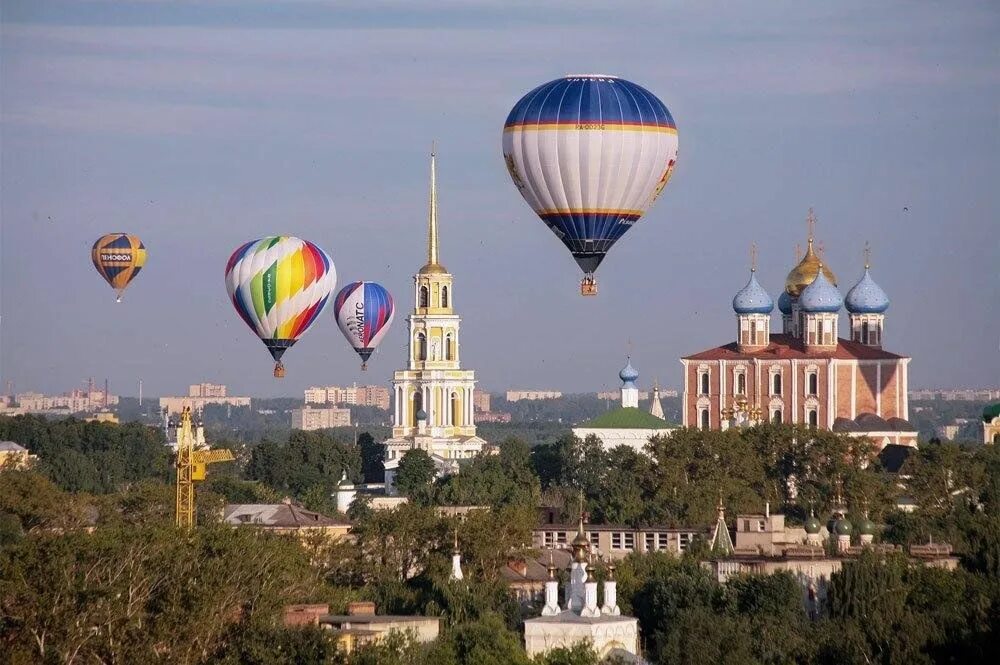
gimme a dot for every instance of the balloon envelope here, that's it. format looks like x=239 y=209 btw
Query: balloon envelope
x=279 y=285
x=118 y=258
x=364 y=312
x=590 y=154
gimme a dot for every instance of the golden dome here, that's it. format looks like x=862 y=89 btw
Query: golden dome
x=805 y=272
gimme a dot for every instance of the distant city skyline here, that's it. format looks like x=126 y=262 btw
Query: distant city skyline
x=199 y=127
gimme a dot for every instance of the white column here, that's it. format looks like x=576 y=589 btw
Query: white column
x=590 y=608
x=551 y=598
x=855 y=368
x=611 y=599
x=878 y=388
x=795 y=394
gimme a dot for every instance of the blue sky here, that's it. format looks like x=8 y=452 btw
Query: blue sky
x=201 y=125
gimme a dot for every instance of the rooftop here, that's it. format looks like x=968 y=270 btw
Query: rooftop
x=626 y=418
x=281 y=515
x=11 y=447
x=788 y=347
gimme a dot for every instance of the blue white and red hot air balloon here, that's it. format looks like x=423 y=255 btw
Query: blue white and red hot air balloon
x=590 y=154
x=364 y=311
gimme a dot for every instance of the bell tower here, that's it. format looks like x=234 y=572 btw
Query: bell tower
x=433 y=395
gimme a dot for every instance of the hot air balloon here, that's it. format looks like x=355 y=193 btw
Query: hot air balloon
x=364 y=311
x=118 y=257
x=590 y=154
x=279 y=285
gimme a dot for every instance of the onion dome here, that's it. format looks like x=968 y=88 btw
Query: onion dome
x=843 y=527
x=820 y=296
x=866 y=527
x=421 y=414
x=629 y=374
x=812 y=525
x=785 y=303
x=344 y=482
x=752 y=298
x=866 y=297
x=805 y=272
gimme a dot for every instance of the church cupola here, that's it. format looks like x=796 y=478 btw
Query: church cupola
x=785 y=307
x=753 y=307
x=630 y=392
x=801 y=276
x=819 y=304
x=866 y=304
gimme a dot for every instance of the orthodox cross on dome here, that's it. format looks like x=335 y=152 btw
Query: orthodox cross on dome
x=811 y=224
x=753 y=257
x=868 y=255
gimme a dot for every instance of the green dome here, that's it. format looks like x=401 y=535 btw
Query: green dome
x=843 y=527
x=866 y=527
x=991 y=412
x=812 y=525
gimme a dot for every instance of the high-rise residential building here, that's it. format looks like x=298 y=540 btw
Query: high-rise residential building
x=807 y=374
x=207 y=390
x=377 y=396
x=518 y=395
x=481 y=401
x=433 y=395
x=309 y=418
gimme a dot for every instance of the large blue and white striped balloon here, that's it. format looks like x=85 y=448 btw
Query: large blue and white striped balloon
x=590 y=154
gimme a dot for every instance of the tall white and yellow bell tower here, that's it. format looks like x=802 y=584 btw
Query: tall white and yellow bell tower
x=433 y=395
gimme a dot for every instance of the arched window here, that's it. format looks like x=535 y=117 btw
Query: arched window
x=741 y=383
x=704 y=418
x=813 y=383
x=813 y=416
x=421 y=347
x=449 y=347
x=418 y=404
x=776 y=416
x=425 y=297
x=456 y=410
x=704 y=383
x=776 y=384
x=444 y=296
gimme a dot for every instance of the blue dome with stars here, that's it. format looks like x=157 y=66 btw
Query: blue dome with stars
x=820 y=296
x=752 y=298
x=629 y=374
x=866 y=297
x=785 y=302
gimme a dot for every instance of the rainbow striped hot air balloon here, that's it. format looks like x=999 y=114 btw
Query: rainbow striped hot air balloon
x=118 y=258
x=590 y=154
x=279 y=285
x=364 y=311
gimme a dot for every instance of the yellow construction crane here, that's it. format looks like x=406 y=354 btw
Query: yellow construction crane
x=191 y=468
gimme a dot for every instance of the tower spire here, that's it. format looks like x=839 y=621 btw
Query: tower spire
x=432 y=224
x=433 y=266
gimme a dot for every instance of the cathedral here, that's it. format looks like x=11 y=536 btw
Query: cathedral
x=432 y=397
x=807 y=374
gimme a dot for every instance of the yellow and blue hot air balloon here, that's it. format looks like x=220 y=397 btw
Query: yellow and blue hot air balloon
x=118 y=258
x=590 y=154
x=279 y=285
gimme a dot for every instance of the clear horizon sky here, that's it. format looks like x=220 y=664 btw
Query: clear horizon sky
x=201 y=125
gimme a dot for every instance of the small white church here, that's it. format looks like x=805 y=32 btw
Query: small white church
x=582 y=616
x=628 y=425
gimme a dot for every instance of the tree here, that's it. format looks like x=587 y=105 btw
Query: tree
x=372 y=454
x=415 y=473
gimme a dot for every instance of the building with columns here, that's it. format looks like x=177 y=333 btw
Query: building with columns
x=433 y=397
x=806 y=374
